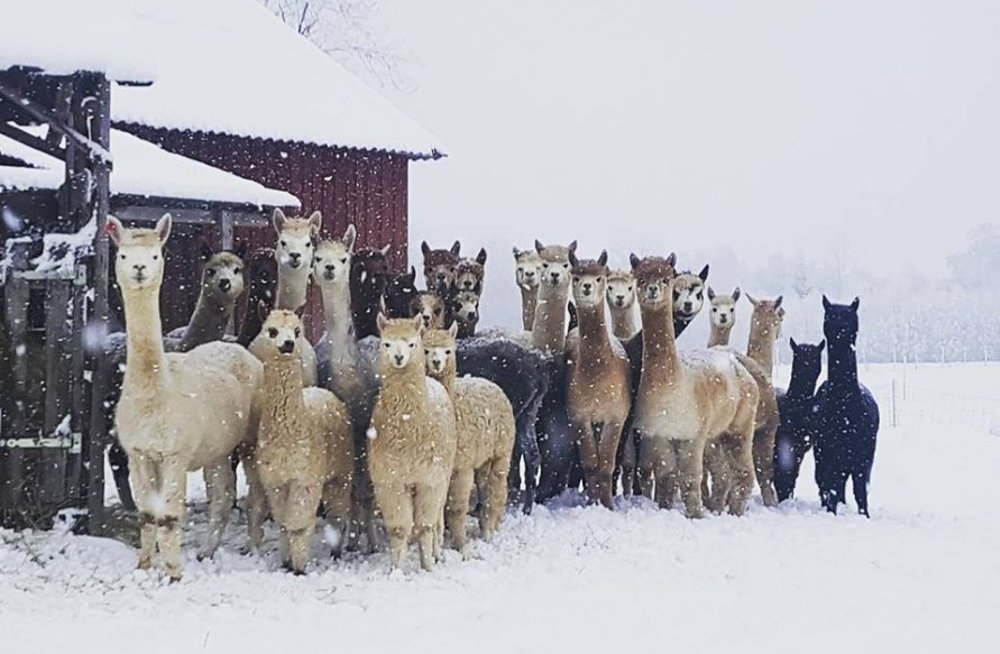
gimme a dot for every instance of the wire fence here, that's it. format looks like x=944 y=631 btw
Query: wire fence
x=903 y=402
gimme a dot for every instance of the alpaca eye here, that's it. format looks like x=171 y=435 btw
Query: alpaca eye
x=284 y=244
x=576 y=280
x=209 y=271
x=298 y=332
x=600 y=279
x=437 y=312
x=272 y=332
x=413 y=345
x=121 y=256
x=385 y=345
x=318 y=259
x=447 y=352
x=156 y=257
x=344 y=260
x=566 y=265
x=715 y=310
x=545 y=265
x=629 y=289
x=237 y=271
x=699 y=295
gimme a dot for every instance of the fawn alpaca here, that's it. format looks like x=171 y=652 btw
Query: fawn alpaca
x=621 y=303
x=484 y=423
x=178 y=412
x=369 y=276
x=470 y=273
x=797 y=430
x=431 y=309
x=411 y=453
x=686 y=402
x=847 y=416
x=222 y=285
x=304 y=450
x=598 y=392
x=723 y=316
x=528 y=270
x=548 y=333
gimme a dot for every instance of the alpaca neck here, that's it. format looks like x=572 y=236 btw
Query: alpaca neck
x=623 y=322
x=801 y=385
x=252 y=323
x=145 y=361
x=283 y=393
x=337 y=313
x=659 y=343
x=466 y=329
x=208 y=322
x=719 y=335
x=293 y=284
x=548 y=333
x=447 y=377
x=529 y=298
x=842 y=364
x=595 y=344
x=760 y=346
x=407 y=385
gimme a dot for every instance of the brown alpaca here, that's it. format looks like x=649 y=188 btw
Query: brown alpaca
x=222 y=284
x=548 y=333
x=621 y=303
x=722 y=317
x=598 y=393
x=529 y=266
x=439 y=268
x=485 y=433
x=411 y=453
x=686 y=402
x=470 y=273
x=430 y=307
x=304 y=451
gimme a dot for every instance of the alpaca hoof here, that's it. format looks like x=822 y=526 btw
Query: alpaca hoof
x=173 y=579
x=144 y=564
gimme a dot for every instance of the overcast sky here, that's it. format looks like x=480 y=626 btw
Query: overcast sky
x=683 y=125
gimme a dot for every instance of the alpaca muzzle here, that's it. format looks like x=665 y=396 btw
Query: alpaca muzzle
x=225 y=285
x=287 y=347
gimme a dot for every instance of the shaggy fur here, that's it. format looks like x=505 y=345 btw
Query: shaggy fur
x=464 y=312
x=411 y=454
x=178 y=412
x=399 y=293
x=722 y=316
x=304 y=451
x=440 y=268
x=470 y=273
x=485 y=433
x=621 y=304
x=528 y=274
x=847 y=416
x=431 y=309
x=765 y=325
x=797 y=430
x=294 y=252
x=548 y=333
x=369 y=276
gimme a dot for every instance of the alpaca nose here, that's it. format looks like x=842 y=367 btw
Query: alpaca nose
x=399 y=359
x=225 y=285
x=472 y=315
x=427 y=320
x=653 y=292
x=555 y=277
x=587 y=286
x=687 y=307
x=139 y=267
x=467 y=284
x=620 y=299
x=296 y=258
x=286 y=347
x=530 y=274
x=441 y=276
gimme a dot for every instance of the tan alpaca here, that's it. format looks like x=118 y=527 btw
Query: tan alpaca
x=304 y=451
x=621 y=303
x=687 y=402
x=598 y=393
x=548 y=332
x=222 y=283
x=722 y=316
x=294 y=253
x=411 y=453
x=178 y=412
x=484 y=422
x=528 y=270
x=765 y=326
x=430 y=307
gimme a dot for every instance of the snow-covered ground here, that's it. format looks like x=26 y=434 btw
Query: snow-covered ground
x=920 y=576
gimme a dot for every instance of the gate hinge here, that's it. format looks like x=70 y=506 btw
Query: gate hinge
x=72 y=442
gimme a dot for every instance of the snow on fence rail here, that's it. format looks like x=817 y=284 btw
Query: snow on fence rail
x=903 y=402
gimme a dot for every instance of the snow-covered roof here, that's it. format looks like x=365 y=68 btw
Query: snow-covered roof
x=61 y=37
x=230 y=66
x=141 y=169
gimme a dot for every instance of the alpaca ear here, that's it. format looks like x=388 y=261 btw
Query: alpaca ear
x=517 y=253
x=822 y=344
x=456 y=248
x=382 y=321
x=672 y=259
x=855 y=304
x=418 y=322
x=278 y=218
x=350 y=237
x=163 y=227
x=634 y=260
x=263 y=310
x=793 y=344
x=114 y=229
x=777 y=303
x=736 y=294
x=453 y=330
x=206 y=252
x=538 y=246
x=752 y=299
x=301 y=311
x=424 y=248
x=711 y=294
x=572 y=247
x=315 y=223
x=603 y=259
x=703 y=275
x=481 y=257
x=573 y=261
x=385 y=250
x=413 y=275
x=826 y=303
x=240 y=250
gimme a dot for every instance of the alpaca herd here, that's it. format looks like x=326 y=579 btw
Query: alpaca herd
x=403 y=418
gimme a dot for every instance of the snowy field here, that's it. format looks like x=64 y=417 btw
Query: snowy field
x=920 y=576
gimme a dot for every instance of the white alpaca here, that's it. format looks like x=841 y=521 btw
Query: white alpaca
x=294 y=253
x=178 y=412
x=621 y=304
x=722 y=317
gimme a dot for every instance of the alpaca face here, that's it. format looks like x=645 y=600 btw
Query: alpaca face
x=222 y=277
x=440 y=267
x=807 y=360
x=723 y=313
x=465 y=308
x=529 y=266
x=689 y=294
x=400 y=343
x=469 y=275
x=296 y=238
x=654 y=279
x=400 y=291
x=369 y=272
x=281 y=331
x=840 y=322
x=262 y=270
x=768 y=314
x=555 y=264
x=331 y=263
x=621 y=290
x=430 y=308
x=439 y=351
x=590 y=278
x=139 y=261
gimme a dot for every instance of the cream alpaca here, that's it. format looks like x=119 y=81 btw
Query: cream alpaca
x=294 y=253
x=178 y=412
x=484 y=422
x=411 y=453
x=548 y=333
x=304 y=450
x=722 y=316
x=621 y=303
x=529 y=267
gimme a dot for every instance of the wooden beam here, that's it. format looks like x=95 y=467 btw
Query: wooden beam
x=32 y=141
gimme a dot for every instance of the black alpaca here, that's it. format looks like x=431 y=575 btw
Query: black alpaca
x=847 y=416
x=399 y=291
x=797 y=406
x=369 y=275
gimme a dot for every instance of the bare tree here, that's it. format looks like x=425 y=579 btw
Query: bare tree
x=347 y=31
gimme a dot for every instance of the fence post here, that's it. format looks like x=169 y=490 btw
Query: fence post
x=894 y=422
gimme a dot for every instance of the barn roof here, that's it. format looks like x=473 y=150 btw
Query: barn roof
x=140 y=169
x=230 y=66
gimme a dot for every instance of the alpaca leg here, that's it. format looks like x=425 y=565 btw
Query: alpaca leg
x=763 y=455
x=629 y=454
x=717 y=465
x=648 y=464
x=786 y=463
x=532 y=459
x=739 y=453
x=457 y=509
x=396 y=503
x=586 y=445
x=337 y=502
x=299 y=545
x=118 y=460
x=146 y=477
x=690 y=466
x=666 y=474
x=220 y=485
x=169 y=535
x=859 y=481
x=428 y=510
x=514 y=478
x=607 y=451
x=256 y=499
x=493 y=511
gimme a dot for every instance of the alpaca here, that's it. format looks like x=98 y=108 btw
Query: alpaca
x=411 y=453
x=686 y=402
x=797 y=429
x=598 y=392
x=304 y=451
x=294 y=253
x=470 y=273
x=485 y=432
x=621 y=304
x=221 y=286
x=439 y=268
x=369 y=276
x=548 y=333
x=847 y=415
x=464 y=312
x=399 y=292
x=723 y=316
x=262 y=271
x=430 y=307
x=528 y=270
x=345 y=369
x=178 y=412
